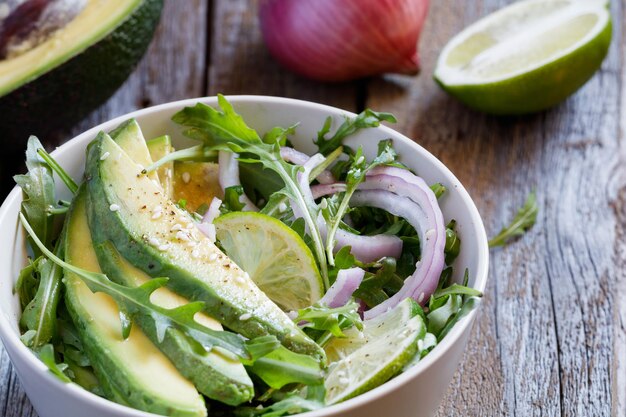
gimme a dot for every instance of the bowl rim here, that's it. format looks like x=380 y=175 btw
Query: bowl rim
x=8 y=336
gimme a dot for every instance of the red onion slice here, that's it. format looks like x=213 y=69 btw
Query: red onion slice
x=300 y=158
x=364 y=248
x=348 y=280
x=414 y=201
x=228 y=175
x=406 y=195
x=327 y=189
x=213 y=211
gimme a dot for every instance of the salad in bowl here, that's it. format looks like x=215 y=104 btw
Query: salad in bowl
x=235 y=273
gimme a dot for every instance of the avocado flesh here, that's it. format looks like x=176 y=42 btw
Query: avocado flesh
x=95 y=21
x=129 y=137
x=159 y=148
x=216 y=375
x=200 y=272
x=48 y=89
x=133 y=371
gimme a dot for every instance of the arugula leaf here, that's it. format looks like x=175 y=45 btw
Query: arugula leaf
x=67 y=180
x=46 y=355
x=279 y=134
x=231 y=200
x=439 y=189
x=343 y=260
x=226 y=131
x=524 y=219
x=356 y=175
x=197 y=153
x=295 y=403
x=282 y=366
x=457 y=289
x=438 y=317
x=453 y=243
x=367 y=118
x=333 y=320
x=39 y=314
x=136 y=301
x=39 y=194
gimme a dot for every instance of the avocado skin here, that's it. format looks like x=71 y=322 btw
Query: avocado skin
x=67 y=93
x=118 y=388
x=200 y=368
x=108 y=226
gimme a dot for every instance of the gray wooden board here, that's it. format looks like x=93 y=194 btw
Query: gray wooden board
x=550 y=338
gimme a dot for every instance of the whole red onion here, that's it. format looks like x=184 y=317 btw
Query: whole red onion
x=338 y=40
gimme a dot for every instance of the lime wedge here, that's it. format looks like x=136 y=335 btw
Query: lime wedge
x=275 y=256
x=526 y=57
x=365 y=360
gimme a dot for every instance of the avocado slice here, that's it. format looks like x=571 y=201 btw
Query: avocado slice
x=158 y=148
x=216 y=375
x=63 y=78
x=133 y=372
x=153 y=234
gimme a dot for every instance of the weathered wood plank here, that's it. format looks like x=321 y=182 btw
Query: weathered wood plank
x=543 y=341
x=173 y=69
x=240 y=63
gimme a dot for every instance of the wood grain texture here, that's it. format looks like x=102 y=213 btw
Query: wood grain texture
x=543 y=344
x=550 y=339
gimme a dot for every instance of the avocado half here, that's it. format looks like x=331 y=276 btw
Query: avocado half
x=57 y=82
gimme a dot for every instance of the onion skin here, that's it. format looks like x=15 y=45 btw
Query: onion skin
x=340 y=40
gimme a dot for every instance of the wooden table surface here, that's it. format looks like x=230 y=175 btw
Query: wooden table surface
x=550 y=338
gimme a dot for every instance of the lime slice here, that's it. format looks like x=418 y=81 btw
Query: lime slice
x=275 y=256
x=365 y=360
x=526 y=57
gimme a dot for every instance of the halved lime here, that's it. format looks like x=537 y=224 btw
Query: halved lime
x=275 y=256
x=365 y=360
x=526 y=57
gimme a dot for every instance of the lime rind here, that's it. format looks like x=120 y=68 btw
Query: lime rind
x=275 y=257
x=368 y=359
x=525 y=85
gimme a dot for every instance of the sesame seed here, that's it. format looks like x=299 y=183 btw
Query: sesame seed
x=360 y=160
x=157 y=215
x=176 y=227
x=420 y=298
x=154 y=241
x=344 y=381
x=180 y=235
x=105 y=156
x=240 y=279
x=114 y=207
x=213 y=257
x=195 y=253
x=186 y=177
x=164 y=247
x=157 y=209
x=245 y=316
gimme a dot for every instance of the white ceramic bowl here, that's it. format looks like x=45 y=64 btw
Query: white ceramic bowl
x=416 y=392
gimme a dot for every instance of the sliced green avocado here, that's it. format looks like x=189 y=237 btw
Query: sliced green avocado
x=158 y=148
x=133 y=372
x=216 y=375
x=152 y=233
x=62 y=79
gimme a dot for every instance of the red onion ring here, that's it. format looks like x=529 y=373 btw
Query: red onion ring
x=348 y=280
x=300 y=158
x=228 y=175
